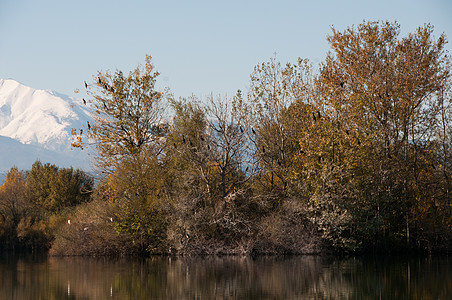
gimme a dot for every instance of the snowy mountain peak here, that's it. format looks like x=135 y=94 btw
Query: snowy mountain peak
x=39 y=117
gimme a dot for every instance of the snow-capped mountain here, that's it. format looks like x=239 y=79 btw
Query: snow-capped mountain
x=36 y=124
x=39 y=117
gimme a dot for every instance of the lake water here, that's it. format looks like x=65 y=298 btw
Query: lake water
x=274 y=277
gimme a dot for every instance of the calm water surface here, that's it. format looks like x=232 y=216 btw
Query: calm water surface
x=300 y=277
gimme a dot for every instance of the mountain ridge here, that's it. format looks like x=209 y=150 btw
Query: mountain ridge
x=36 y=125
x=39 y=117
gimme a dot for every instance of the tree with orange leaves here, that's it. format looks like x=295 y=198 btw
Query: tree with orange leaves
x=383 y=92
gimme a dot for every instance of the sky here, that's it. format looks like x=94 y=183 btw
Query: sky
x=199 y=47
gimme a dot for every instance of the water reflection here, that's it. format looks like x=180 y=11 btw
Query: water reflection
x=305 y=277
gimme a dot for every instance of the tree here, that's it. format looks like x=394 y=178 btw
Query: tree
x=54 y=189
x=13 y=199
x=187 y=152
x=209 y=142
x=128 y=126
x=129 y=132
x=128 y=115
x=383 y=92
x=228 y=147
x=273 y=89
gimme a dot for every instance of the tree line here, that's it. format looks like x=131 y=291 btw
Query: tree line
x=33 y=204
x=354 y=156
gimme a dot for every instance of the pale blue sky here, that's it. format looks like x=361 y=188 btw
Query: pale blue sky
x=199 y=47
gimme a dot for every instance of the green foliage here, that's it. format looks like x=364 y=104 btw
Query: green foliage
x=145 y=226
x=30 y=202
x=54 y=189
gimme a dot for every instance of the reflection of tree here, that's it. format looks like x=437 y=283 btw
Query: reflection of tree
x=304 y=277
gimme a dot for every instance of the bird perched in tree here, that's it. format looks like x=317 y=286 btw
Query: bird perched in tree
x=86 y=85
x=342 y=84
x=84 y=101
x=252 y=129
x=81 y=131
x=89 y=126
x=313 y=117
x=98 y=80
